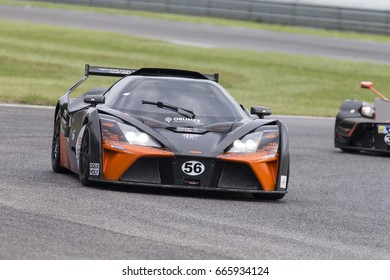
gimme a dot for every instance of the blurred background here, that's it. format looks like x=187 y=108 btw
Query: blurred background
x=355 y=15
x=299 y=57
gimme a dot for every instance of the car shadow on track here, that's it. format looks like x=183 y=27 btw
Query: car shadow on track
x=162 y=191
x=201 y=194
x=364 y=153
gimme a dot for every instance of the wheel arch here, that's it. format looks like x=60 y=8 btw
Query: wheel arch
x=349 y=113
x=92 y=121
x=284 y=158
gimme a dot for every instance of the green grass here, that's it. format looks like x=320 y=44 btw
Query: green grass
x=253 y=24
x=39 y=63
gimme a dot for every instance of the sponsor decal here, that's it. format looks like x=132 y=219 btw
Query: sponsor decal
x=382 y=129
x=117 y=147
x=115 y=70
x=185 y=129
x=190 y=137
x=186 y=120
x=283 y=182
x=193 y=168
x=387 y=139
x=271 y=136
x=94 y=168
x=182 y=120
x=107 y=124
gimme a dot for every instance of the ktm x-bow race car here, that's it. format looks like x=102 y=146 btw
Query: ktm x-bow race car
x=361 y=126
x=169 y=128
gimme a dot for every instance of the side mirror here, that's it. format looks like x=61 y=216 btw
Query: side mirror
x=366 y=84
x=260 y=111
x=94 y=99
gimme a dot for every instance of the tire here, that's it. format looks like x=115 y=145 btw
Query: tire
x=84 y=159
x=55 y=146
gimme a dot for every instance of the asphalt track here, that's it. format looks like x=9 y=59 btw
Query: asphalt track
x=206 y=35
x=338 y=206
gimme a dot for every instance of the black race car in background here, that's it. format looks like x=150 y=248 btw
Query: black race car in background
x=169 y=128
x=361 y=126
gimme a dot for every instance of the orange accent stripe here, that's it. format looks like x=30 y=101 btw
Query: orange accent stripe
x=352 y=130
x=116 y=162
x=266 y=173
x=64 y=159
x=265 y=169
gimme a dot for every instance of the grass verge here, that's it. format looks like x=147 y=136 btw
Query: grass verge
x=39 y=63
x=206 y=20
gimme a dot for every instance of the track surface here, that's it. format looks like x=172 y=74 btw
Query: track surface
x=206 y=35
x=338 y=206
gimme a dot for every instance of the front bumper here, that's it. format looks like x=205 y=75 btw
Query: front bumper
x=367 y=136
x=187 y=187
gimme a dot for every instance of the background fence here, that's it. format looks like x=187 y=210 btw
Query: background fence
x=291 y=13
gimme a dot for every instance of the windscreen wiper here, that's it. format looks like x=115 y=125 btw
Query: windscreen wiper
x=181 y=111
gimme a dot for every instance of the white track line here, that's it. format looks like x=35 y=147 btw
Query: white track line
x=26 y=106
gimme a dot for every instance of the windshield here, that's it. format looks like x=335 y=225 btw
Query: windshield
x=173 y=100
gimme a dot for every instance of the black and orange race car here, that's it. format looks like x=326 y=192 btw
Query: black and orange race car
x=169 y=128
x=361 y=126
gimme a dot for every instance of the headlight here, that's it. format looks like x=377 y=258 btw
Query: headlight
x=248 y=144
x=264 y=141
x=136 y=137
x=368 y=110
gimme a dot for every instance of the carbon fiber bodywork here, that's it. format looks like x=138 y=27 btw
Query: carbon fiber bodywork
x=355 y=132
x=181 y=155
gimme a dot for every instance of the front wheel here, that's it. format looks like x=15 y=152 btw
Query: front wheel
x=84 y=160
x=56 y=146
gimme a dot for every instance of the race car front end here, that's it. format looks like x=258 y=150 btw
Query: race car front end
x=357 y=128
x=256 y=163
x=363 y=135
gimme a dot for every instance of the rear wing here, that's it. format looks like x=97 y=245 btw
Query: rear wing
x=212 y=77
x=107 y=71
x=122 y=72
